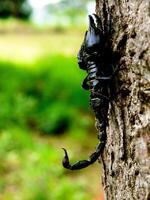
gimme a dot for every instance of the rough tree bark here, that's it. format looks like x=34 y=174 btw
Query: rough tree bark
x=126 y=158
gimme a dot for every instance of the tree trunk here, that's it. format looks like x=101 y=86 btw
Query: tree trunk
x=126 y=158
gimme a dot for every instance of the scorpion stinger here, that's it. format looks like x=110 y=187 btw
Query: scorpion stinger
x=93 y=58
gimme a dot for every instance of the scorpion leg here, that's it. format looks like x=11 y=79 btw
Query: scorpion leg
x=92 y=158
x=100 y=96
x=85 y=84
x=109 y=77
x=104 y=77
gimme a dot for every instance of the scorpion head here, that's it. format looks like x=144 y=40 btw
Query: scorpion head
x=92 y=41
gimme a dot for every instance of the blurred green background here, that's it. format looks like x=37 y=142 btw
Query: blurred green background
x=43 y=107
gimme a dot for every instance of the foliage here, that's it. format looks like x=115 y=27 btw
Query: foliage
x=73 y=10
x=16 y=8
x=41 y=99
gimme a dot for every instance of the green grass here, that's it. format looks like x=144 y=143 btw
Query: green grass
x=31 y=169
x=44 y=108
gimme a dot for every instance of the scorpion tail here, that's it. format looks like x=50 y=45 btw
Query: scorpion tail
x=83 y=163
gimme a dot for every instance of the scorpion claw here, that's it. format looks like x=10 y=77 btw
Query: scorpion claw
x=92 y=38
x=97 y=18
x=98 y=22
x=91 y=22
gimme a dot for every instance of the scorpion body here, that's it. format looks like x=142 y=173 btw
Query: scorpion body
x=94 y=58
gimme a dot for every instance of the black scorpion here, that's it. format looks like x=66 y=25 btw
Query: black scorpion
x=94 y=57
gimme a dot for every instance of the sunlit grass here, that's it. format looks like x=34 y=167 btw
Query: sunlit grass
x=26 y=49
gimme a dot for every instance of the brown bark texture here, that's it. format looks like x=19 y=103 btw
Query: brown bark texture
x=126 y=160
